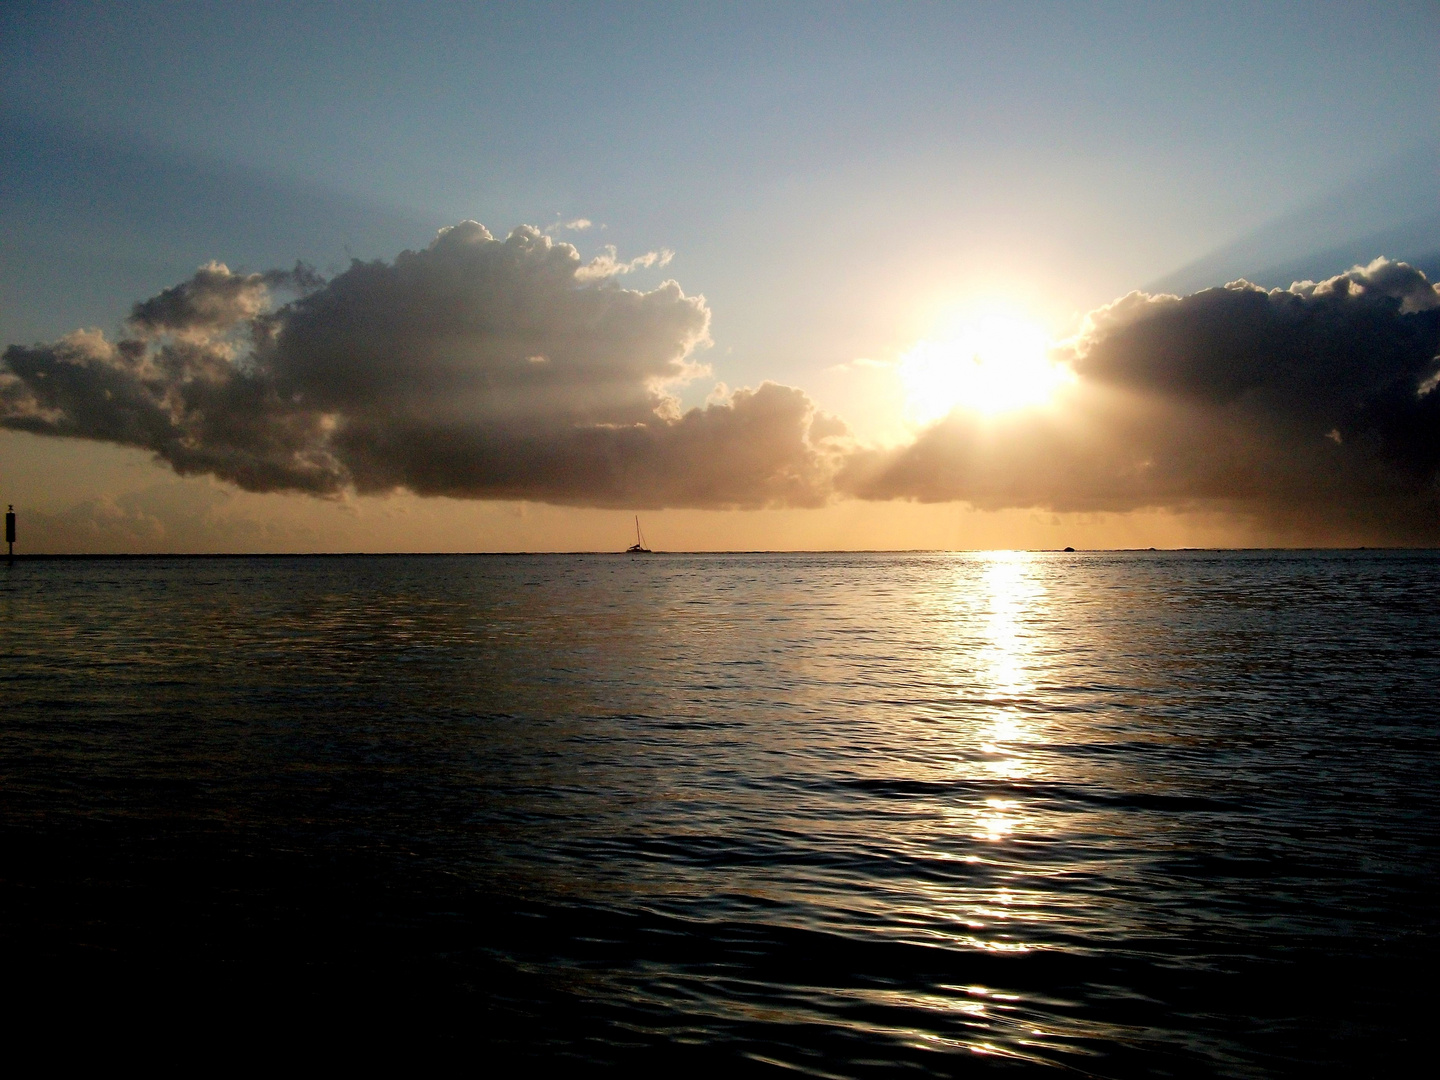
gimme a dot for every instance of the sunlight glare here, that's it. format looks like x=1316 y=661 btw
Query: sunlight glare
x=991 y=365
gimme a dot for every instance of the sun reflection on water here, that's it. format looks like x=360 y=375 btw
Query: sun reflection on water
x=997 y=609
x=997 y=820
x=1010 y=592
x=1009 y=588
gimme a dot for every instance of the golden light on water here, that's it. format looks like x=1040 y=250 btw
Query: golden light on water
x=990 y=365
x=997 y=604
x=997 y=820
x=1011 y=591
x=1002 y=669
x=996 y=599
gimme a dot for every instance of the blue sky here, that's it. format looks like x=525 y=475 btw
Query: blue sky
x=832 y=177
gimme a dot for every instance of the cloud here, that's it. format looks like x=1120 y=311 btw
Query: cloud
x=174 y=515
x=1311 y=407
x=214 y=300
x=476 y=368
x=579 y=224
x=607 y=264
x=512 y=369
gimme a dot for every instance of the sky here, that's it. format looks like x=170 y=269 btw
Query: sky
x=314 y=277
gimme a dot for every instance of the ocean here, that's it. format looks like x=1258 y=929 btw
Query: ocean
x=1120 y=814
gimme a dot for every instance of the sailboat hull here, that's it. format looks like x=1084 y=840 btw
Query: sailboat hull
x=638 y=548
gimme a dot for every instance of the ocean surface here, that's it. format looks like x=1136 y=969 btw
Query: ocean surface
x=1114 y=814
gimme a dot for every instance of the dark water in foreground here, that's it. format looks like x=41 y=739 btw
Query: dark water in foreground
x=1126 y=814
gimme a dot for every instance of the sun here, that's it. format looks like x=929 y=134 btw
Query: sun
x=990 y=365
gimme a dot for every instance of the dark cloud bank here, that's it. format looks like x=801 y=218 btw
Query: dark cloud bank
x=481 y=368
x=1314 y=408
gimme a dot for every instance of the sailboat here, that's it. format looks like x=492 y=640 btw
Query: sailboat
x=638 y=547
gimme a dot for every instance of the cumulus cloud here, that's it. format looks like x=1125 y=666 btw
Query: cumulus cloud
x=1313 y=405
x=215 y=299
x=477 y=368
x=513 y=369
x=607 y=263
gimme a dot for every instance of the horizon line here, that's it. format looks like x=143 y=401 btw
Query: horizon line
x=63 y=556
